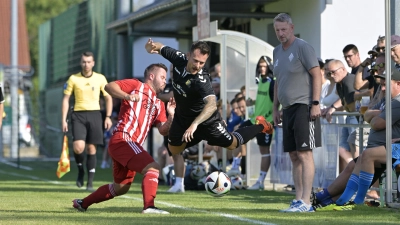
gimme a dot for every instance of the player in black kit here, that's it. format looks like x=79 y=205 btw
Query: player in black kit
x=196 y=116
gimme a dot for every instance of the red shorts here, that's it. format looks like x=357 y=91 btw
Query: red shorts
x=128 y=158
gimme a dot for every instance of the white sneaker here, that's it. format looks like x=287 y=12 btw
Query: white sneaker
x=257 y=186
x=154 y=210
x=300 y=207
x=233 y=172
x=292 y=204
x=177 y=189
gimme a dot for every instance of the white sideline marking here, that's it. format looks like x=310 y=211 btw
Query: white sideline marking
x=14 y=164
x=230 y=216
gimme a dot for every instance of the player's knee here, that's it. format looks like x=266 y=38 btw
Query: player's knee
x=366 y=155
x=79 y=146
x=151 y=166
x=121 y=189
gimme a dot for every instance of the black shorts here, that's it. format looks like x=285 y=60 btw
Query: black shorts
x=263 y=139
x=212 y=130
x=299 y=131
x=87 y=126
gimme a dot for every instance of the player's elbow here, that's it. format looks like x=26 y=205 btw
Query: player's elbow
x=107 y=88
x=163 y=131
x=213 y=108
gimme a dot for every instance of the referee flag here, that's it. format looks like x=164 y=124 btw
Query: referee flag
x=64 y=163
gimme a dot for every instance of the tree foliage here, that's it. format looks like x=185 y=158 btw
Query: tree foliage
x=38 y=12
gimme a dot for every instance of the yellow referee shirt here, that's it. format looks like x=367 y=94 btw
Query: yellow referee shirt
x=86 y=90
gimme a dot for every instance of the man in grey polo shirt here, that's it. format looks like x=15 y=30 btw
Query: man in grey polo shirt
x=297 y=89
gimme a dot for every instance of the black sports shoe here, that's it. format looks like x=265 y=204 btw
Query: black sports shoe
x=79 y=180
x=313 y=199
x=77 y=204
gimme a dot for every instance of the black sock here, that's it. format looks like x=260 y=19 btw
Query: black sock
x=245 y=134
x=79 y=162
x=91 y=168
x=243 y=164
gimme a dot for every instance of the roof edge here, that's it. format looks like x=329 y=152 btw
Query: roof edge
x=149 y=11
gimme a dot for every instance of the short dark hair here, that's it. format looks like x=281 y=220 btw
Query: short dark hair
x=240 y=99
x=381 y=38
x=349 y=47
x=202 y=46
x=152 y=67
x=237 y=94
x=88 y=54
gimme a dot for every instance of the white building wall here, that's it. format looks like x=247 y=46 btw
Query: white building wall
x=357 y=22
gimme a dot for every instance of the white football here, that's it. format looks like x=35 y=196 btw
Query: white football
x=237 y=182
x=198 y=171
x=218 y=184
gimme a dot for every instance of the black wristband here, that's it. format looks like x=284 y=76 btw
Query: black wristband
x=108 y=116
x=332 y=106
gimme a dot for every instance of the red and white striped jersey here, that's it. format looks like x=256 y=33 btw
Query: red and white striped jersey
x=135 y=119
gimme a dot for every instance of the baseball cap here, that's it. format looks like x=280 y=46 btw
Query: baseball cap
x=395 y=40
x=395 y=75
x=216 y=80
x=373 y=52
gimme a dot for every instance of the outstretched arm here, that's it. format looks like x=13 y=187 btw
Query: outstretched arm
x=153 y=47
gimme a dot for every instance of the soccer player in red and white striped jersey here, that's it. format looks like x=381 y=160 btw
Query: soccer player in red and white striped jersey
x=140 y=110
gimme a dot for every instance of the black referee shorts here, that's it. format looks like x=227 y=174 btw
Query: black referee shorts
x=87 y=126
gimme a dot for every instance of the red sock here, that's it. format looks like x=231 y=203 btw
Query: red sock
x=103 y=193
x=149 y=188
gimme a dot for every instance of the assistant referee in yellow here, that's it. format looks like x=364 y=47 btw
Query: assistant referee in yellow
x=86 y=117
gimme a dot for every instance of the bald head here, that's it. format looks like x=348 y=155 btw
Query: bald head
x=336 y=70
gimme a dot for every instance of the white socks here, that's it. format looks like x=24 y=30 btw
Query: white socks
x=179 y=181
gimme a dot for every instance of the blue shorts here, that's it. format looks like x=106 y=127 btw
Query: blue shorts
x=346 y=131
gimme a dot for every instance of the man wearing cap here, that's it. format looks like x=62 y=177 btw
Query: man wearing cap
x=395 y=50
x=375 y=153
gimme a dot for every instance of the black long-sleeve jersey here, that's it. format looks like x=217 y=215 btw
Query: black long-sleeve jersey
x=189 y=89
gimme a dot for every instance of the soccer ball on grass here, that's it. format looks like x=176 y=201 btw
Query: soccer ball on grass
x=218 y=184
